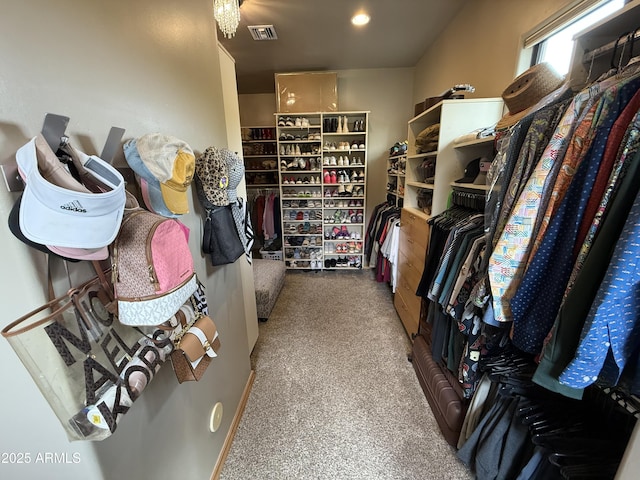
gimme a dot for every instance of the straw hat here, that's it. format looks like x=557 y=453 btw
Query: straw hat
x=526 y=90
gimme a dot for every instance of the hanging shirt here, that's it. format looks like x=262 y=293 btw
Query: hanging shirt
x=563 y=341
x=612 y=168
x=613 y=325
x=268 y=222
x=390 y=251
x=506 y=263
x=537 y=301
x=542 y=127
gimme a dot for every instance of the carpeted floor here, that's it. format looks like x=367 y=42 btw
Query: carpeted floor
x=334 y=396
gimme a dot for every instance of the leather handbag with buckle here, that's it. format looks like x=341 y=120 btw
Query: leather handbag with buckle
x=194 y=349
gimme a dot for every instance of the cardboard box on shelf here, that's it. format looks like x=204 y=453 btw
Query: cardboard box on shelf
x=305 y=92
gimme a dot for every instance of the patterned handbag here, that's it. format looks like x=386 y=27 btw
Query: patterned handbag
x=153 y=273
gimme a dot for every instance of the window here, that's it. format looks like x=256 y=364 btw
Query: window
x=556 y=49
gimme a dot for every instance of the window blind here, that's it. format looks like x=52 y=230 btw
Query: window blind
x=559 y=20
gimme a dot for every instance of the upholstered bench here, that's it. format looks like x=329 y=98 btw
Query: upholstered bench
x=268 y=279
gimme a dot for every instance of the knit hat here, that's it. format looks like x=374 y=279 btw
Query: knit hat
x=526 y=90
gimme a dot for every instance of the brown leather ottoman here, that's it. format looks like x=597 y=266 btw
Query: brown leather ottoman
x=445 y=399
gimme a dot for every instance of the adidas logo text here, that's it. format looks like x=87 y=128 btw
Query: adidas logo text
x=74 y=206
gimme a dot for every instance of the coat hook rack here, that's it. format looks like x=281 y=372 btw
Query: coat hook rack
x=53 y=130
x=112 y=144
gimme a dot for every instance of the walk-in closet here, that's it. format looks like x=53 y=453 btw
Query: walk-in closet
x=264 y=239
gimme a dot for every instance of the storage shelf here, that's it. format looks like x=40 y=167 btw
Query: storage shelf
x=470 y=186
x=475 y=143
x=422 y=155
x=428 y=186
x=336 y=134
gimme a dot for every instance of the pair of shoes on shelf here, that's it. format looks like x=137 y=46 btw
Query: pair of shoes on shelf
x=330 y=263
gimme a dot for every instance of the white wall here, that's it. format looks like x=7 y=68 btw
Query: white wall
x=148 y=65
x=234 y=143
x=386 y=93
x=481 y=46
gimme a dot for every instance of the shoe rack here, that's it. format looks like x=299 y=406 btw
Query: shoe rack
x=396 y=169
x=322 y=161
x=260 y=153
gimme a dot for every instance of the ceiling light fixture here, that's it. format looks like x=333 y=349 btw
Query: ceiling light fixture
x=360 y=19
x=227 y=15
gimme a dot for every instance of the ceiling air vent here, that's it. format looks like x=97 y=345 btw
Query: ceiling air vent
x=263 y=32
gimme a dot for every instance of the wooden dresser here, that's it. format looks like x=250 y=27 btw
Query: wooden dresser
x=414 y=240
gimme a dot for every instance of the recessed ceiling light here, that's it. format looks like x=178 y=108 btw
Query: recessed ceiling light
x=360 y=19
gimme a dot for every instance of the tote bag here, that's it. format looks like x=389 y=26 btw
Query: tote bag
x=89 y=367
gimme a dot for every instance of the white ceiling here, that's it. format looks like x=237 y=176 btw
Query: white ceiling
x=315 y=35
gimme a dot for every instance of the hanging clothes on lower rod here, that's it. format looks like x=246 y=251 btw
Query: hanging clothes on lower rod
x=264 y=205
x=381 y=242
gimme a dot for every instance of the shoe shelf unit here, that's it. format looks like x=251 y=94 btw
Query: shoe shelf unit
x=396 y=168
x=322 y=171
x=260 y=153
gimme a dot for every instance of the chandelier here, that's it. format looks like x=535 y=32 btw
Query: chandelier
x=227 y=15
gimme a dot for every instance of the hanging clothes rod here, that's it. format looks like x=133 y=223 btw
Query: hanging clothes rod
x=619 y=43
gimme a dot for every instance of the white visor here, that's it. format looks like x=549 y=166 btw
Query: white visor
x=57 y=215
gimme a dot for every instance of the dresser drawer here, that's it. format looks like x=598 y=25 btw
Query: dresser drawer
x=407 y=289
x=414 y=230
x=410 y=271
x=414 y=251
x=408 y=315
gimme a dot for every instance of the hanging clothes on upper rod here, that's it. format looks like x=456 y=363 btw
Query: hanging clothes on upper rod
x=469 y=198
x=613 y=47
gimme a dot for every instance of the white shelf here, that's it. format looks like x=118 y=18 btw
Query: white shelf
x=422 y=155
x=427 y=186
x=456 y=118
x=475 y=143
x=470 y=186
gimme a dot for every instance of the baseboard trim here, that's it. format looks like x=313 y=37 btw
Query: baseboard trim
x=228 y=441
